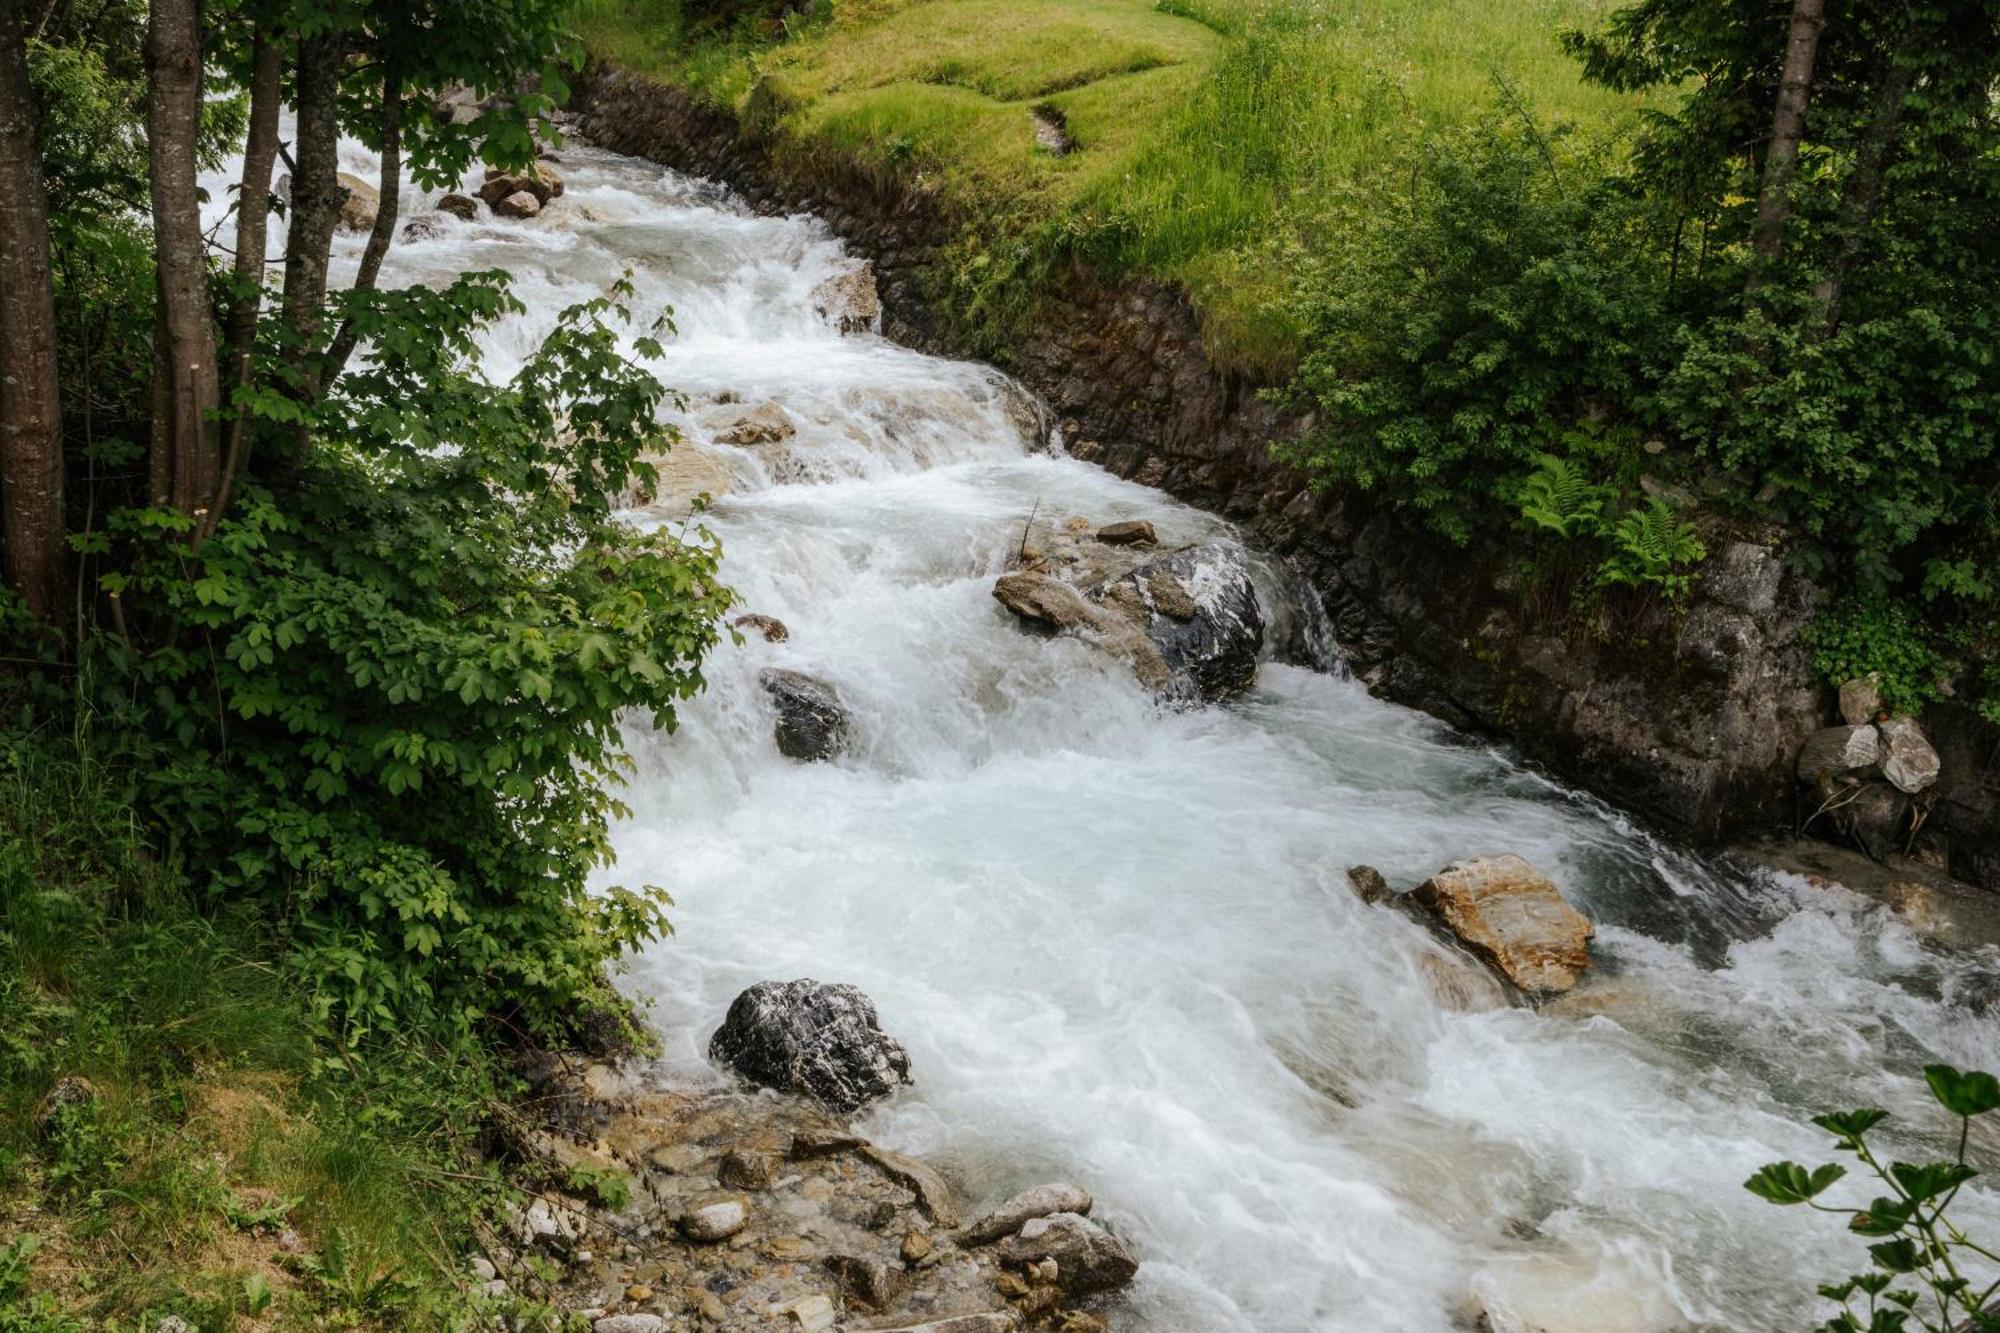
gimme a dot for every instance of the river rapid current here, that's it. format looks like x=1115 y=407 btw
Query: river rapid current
x=1118 y=941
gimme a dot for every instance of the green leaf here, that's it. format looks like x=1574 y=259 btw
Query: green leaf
x=1789 y=1183
x=1897 y=1256
x=1966 y=1093
x=1850 y=1125
x=1930 y=1180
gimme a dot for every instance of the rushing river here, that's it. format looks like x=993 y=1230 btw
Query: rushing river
x=1118 y=942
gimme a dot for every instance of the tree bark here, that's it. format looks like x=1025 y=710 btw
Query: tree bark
x=1788 y=124
x=185 y=429
x=1862 y=194
x=316 y=200
x=253 y=229
x=383 y=233
x=31 y=456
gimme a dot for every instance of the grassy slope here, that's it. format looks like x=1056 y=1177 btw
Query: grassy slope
x=1209 y=132
x=212 y=1133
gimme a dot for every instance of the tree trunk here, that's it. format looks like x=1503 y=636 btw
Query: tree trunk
x=31 y=456
x=1862 y=194
x=185 y=430
x=316 y=200
x=253 y=229
x=390 y=190
x=1788 y=124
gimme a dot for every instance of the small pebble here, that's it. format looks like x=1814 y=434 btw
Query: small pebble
x=916 y=1245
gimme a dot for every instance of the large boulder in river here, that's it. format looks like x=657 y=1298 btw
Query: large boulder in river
x=541 y=180
x=823 y=1041
x=812 y=721
x=461 y=206
x=519 y=204
x=1200 y=610
x=1510 y=915
x=1188 y=623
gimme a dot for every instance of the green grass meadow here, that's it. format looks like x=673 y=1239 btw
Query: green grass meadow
x=1209 y=134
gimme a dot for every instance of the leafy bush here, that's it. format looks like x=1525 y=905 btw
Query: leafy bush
x=388 y=701
x=1919 y=1253
x=1872 y=636
x=1460 y=322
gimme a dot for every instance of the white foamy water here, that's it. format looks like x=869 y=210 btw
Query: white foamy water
x=1118 y=942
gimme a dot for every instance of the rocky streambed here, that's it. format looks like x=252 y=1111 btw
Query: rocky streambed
x=1068 y=782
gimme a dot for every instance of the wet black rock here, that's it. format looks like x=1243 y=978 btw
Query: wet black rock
x=1203 y=618
x=812 y=722
x=824 y=1041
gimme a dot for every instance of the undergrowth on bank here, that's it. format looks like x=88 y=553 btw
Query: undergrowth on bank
x=175 y=1135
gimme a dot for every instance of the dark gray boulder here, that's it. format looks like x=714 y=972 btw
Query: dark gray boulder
x=1201 y=612
x=812 y=722
x=804 y=1036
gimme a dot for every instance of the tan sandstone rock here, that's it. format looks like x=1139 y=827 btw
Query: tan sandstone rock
x=1510 y=915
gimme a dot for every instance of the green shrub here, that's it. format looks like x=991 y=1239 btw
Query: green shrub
x=1919 y=1253
x=1872 y=636
x=1460 y=322
x=386 y=701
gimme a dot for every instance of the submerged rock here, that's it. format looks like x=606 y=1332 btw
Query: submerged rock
x=461 y=206
x=1510 y=915
x=767 y=423
x=772 y=628
x=812 y=722
x=1088 y=1258
x=714 y=1218
x=804 y=1036
x=849 y=301
x=1369 y=885
x=1023 y=1208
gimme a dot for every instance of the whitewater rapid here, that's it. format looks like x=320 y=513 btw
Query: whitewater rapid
x=1118 y=942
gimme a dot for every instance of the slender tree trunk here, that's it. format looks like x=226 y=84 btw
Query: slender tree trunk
x=1788 y=124
x=31 y=456
x=1862 y=194
x=383 y=233
x=316 y=200
x=184 y=358
x=253 y=229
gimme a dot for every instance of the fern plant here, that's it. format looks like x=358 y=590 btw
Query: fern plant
x=1558 y=497
x=1652 y=548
